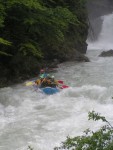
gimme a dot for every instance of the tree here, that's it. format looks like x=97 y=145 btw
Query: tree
x=41 y=30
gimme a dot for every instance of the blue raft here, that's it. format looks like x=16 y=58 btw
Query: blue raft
x=49 y=90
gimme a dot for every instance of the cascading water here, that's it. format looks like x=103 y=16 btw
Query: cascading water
x=30 y=118
x=105 y=39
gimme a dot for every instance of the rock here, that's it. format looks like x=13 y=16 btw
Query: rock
x=53 y=64
x=81 y=57
x=76 y=56
x=107 y=53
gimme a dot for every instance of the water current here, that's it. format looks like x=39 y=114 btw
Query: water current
x=105 y=39
x=31 y=118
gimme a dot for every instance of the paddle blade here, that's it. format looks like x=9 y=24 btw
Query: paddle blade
x=30 y=83
x=64 y=86
x=60 y=81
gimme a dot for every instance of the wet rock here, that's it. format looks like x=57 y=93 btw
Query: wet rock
x=76 y=56
x=81 y=57
x=53 y=64
x=107 y=53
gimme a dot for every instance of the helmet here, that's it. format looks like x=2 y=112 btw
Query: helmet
x=42 y=70
x=52 y=77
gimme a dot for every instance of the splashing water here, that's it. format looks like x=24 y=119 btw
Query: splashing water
x=31 y=118
x=105 y=39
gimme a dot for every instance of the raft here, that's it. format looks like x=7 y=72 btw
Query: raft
x=49 y=90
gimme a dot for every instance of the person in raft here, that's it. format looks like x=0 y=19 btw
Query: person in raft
x=48 y=81
x=54 y=83
x=43 y=74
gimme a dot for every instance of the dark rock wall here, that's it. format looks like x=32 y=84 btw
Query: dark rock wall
x=96 y=9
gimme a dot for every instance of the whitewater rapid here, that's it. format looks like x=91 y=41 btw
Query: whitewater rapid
x=105 y=38
x=30 y=118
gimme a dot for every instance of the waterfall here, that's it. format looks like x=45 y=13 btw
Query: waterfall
x=105 y=38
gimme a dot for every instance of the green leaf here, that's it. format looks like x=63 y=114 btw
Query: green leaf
x=5 y=54
x=30 y=48
x=96 y=116
x=2 y=14
x=31 y=4
x=5 y=42
x=101 y=139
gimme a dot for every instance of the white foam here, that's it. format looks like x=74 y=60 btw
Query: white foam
x=31 y=118
x=105 y=39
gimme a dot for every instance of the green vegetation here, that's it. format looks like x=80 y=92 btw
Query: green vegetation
x=39 y=30
x=30 y=148
x=98 y=140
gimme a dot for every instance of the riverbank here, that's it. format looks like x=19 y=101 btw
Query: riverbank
x=43 y=31
x=9 y=76
x=43 y=122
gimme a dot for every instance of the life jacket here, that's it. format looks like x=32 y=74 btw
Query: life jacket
x=43 y=75
x=46 y=82
x=54 y=83
x=38 y=82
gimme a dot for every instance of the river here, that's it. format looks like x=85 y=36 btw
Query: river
x=31 y=118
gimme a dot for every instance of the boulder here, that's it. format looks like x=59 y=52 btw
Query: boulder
x=107 y=53
x=77 y=56
x=81 y=57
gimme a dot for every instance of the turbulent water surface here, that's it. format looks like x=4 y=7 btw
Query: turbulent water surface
x=105 y=39
x=31 y=118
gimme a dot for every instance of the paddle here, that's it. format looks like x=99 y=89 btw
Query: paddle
x=61 y=85
x=60 y=81
x=32 y=83
x=64 y=86
x=29 y=83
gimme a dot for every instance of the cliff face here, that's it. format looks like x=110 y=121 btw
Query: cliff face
x=96 y=9
x=99 y=8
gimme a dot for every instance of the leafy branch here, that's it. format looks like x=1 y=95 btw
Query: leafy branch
x=96 y=116
x=102 y=139
x=5 y=42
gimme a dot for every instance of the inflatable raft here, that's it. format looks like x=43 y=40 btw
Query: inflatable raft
x=49 y=90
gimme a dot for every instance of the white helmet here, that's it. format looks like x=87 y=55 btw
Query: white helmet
x=52 y=77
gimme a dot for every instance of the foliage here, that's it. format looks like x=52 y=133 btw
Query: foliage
x=2 y=14
x=5 y=42
x=42 y=29
x=98 y=140
x=5 y=54
x=30 y=148
x=30 y=49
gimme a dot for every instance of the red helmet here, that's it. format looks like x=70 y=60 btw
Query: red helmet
x=42 y=70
